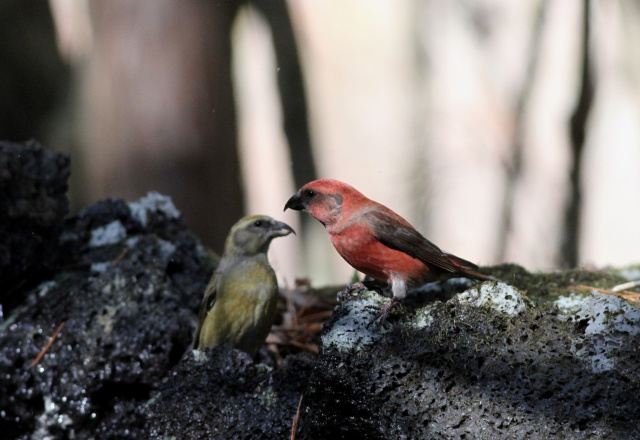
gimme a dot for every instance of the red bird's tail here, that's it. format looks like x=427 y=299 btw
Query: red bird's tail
x=468 y=269
x=476 y=275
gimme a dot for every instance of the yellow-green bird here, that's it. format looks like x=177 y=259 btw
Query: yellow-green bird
x=239 y=304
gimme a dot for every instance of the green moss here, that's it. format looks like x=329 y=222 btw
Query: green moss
x=549 y=286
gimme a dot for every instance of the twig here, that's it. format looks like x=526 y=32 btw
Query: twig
x=624 y=294
x=625 y=286
x=583 y=287
x=46 y=347
x=311 y=348
x=322 y=315
x=121 y=256
x=16 y=287
x=295 y=419
x=291 y=308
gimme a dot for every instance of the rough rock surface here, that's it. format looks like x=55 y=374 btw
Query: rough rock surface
x=223 y=394
x=131 y=278
x=33 y=204
x=486 y=364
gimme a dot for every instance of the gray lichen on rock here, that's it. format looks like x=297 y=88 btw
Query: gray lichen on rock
x=350 y=330
x=607 y=322
x=498 y=295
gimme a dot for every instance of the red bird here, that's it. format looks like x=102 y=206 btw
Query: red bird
x=376 y=241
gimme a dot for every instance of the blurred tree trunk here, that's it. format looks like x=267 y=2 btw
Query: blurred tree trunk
x=514 y=164
x=28 y=95
x=291 y=88
x=578 y=128
x=157 y=109
x=293 y=97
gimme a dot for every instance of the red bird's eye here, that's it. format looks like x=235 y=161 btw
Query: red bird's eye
x=310 y=193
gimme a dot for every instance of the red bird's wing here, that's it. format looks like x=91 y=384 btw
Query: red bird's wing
x=401 y=236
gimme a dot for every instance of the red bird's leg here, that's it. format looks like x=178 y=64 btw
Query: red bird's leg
x=384 y=311
x=399 y=289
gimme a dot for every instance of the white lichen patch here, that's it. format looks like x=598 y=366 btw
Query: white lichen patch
x=268 y=398
x=50 y=417
x=44 y=288
x=200 y=356
x=152 y=202
x=117 y=283
x=67 y=236
x=166 y=248
x=497 y=295
x=352 y=331
x=609 y=321
x=608 y=314
x=105 y=319
x=424 y=317
x=569 y=304
x=108 y=234
x=100 y=267
x=132 y=241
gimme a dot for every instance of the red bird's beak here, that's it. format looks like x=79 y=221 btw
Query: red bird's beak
x=295 y=203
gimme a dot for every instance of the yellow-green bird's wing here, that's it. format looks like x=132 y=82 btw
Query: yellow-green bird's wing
x=208 y=301
x=239 y=306
x=245 y=312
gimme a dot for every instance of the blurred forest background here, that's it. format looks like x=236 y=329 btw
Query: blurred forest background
x=506 y=131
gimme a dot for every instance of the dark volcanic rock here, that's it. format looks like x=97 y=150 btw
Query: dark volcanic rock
x=133 y=277
x=33 y=204
x=484 y=365
x=222 y=394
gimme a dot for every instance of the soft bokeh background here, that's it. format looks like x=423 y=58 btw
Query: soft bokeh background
x=503 y=130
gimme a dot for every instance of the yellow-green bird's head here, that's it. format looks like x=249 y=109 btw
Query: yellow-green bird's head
x=252 y=235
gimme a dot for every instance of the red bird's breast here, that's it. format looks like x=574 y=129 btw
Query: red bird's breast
x=359 y=247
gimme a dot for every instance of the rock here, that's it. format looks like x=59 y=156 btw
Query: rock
x=127 y=292
x=486 y=364
x=33 y=204
x=222 y=393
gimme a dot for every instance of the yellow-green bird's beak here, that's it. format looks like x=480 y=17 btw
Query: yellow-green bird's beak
x=280 y=229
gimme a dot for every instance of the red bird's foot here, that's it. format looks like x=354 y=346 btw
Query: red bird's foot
x=384 y=311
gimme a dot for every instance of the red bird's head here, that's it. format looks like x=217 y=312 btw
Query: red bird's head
x=324 y=199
